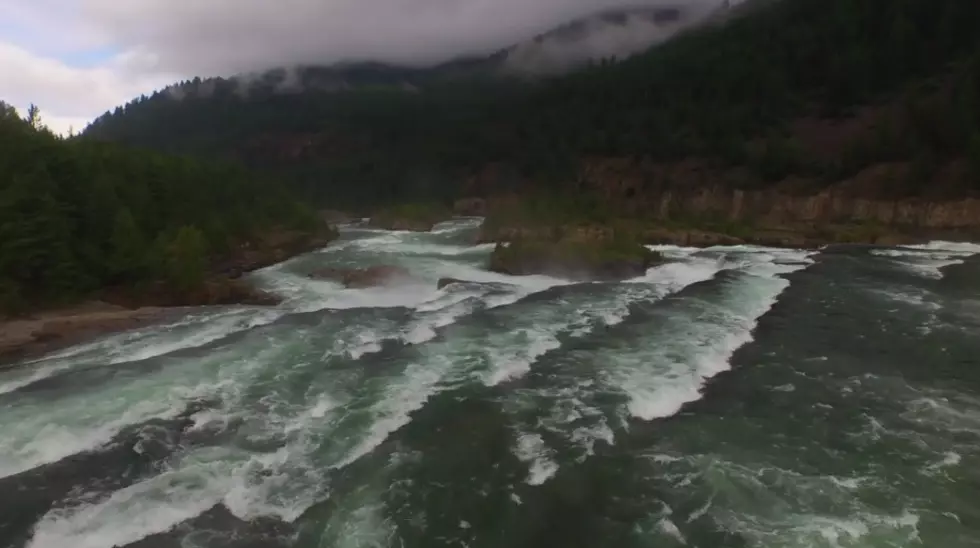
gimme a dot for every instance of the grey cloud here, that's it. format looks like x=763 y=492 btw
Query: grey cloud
x=224 y=37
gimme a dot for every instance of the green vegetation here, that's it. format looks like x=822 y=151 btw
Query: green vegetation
x=614 y=258
x=78 y=216
x=713 y=93
x=411 y=216
x=550 y=209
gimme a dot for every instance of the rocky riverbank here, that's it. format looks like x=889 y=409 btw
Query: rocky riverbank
x=613 y=259
x=410 y=217
x=40 y=333
x=123 y=308
x=652 y=233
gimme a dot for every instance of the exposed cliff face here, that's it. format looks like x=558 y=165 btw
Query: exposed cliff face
x=693 y=204
x=689 y=190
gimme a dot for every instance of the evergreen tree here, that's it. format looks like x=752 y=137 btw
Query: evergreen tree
x=34 y=117
x=974 y=159
x=186 y=258
x=76 y=215
x=128 y=251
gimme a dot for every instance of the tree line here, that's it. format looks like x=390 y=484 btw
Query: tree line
x=715 y=92
x=79 y=215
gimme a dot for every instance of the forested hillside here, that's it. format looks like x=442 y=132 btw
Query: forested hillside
x=736 y=94
x=78 y=215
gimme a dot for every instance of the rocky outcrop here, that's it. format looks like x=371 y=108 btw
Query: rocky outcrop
x=360 y=278
x=273 y=248
x=691 y=189
x=470 y=207
x=697 y=203
x=396 y=223
x=443 y=282
x=218 y=290
x=799 y=236
x=686 y=237
x=334 y=217
x=411 y=217
x=123 y=308
x=34 y=335
x=576 y=259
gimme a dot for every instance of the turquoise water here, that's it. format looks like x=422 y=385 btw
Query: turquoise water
x=736 y=397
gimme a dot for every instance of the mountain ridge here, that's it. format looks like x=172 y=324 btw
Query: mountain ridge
x=514 y=60
x=793 y=94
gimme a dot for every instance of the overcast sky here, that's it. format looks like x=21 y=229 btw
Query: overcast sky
x=78 y=58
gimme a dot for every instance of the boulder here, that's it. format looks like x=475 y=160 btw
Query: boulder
x=360 y=278
x=395 y=223
x=238 y=291
x=576 y=259
x=471 y=207
x=443 y=282
x=47 y=331
x=421 y=217
x=335 y=217
x=330 y=274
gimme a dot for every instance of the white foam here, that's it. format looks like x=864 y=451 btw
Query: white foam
x=186 y=333
x=35 y=432
x=587 y=436
x=532 y=450
x=837 y=532
x=368 y=342
x=459 y=224
x=928 y=265
x=511 y=354
x=513 y=361
x=303 y=294
x=698 y=343
x=69 y=429
x=438 y=313
x=281 y=484
x=929 y=260
x=134 y=512
x=914 y=296
x=671 y=529
x=393 y=409
x=674 y=251
x=963 y=248
x=442 y=249
x=165 y=340
x=26 y=375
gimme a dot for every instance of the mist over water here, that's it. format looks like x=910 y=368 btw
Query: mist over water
x=735 y=397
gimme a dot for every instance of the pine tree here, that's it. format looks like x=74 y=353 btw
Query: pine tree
x=186 y=259
x=974 y=159
x=128 y=251
x=34 y=117
x=35 y=237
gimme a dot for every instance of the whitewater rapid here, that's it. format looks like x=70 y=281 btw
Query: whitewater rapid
x=271 y=413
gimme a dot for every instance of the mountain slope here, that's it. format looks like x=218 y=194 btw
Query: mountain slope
x=619 y=32
x=78 y=217
x=731 y=96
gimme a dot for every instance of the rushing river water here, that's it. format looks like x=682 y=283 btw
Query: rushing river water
x=735 y=397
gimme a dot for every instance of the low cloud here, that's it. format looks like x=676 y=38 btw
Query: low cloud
x=224 y=37
x=79 y=58
x=69 y=97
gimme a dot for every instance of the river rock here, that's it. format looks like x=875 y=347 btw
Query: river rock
x=48 y=331
x=471 y=207
x=443 y=282
x=360 y=278
x=395 y=223
x=611 y=260
x=412 y=217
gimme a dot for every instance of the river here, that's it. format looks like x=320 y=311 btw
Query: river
x=734 y=397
